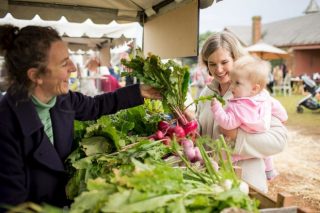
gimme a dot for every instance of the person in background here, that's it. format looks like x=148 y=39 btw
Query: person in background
x=218 y=54
x=284 y=70
x=38 y=112
x=3 y=86
x=277 y=76
x=88 y=82
x=251 y=106
x=270 y=81
x=112 y=71
x=108 y=82
x=199 y=79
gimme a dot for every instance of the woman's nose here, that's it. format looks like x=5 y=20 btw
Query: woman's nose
x=218 y=67
x=72 y=67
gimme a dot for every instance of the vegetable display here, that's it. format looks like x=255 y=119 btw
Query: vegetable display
x=142 y=160
x=147 y=176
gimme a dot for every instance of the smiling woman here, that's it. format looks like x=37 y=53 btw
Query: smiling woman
x=38 y=111
x=55 y=80
x=219 y=54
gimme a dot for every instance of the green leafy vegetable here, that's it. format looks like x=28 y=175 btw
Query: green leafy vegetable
x=169 y=78
x=210 y=97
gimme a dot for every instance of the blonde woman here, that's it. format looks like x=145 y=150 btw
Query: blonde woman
x=218 y=54
x=251 y=106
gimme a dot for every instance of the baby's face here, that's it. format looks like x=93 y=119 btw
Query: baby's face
x=241 y=86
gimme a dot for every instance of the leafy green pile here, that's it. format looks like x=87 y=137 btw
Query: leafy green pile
x=156 y=188
x=169 y=78
x=141 y=120
x=102 y=164
x=136 y=179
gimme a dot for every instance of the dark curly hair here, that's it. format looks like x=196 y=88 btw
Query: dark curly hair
x=23 y=49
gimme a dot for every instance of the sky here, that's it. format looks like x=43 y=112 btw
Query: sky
x=239 y=12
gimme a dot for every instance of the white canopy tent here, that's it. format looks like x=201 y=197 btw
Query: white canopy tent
x=99 y=11
x=86 y=35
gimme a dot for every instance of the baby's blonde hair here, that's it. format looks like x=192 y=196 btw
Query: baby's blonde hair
x=256 y=69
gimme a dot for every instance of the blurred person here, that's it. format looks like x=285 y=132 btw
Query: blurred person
x=199 y=79
x=218 y=54
x=251 y=106
x=284 y=70
x=270 y=81
x=277 y=75
x=108 y=83
x=112 y=71
x=38 y=112
x=88 y=83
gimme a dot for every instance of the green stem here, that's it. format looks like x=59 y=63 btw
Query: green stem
x=175 y=145
x=213 y=173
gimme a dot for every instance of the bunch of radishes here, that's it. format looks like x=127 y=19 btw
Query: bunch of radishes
x=185 y=135
x=167 y=131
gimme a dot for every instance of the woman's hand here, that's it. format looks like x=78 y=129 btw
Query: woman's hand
x=149 y=92
x=189 y=114
x=229 y=135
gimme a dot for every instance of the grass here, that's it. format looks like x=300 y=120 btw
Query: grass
x=307 y=119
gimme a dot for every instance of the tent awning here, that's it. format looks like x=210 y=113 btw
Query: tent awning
x=86 y=35
x=170 y=27
x=99 y=11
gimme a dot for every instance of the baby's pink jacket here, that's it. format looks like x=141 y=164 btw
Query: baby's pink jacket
x=252 y=114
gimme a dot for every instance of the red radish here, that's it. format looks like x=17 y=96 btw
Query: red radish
x=166 y=140
x=170 y=131
x=163 y=126
x=159 y=135
x=189 y=152
x=191 y=126
x=186 y=143
x=178 y=130
x=197 y=154
x=152 y=137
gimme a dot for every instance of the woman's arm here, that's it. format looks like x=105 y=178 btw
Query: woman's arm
x=265 y=144
x=259 y=145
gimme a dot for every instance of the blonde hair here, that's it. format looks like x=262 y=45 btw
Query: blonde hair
x=223 y=40
x=256 y=69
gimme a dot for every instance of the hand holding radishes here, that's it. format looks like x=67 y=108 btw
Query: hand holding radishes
x=189 y=114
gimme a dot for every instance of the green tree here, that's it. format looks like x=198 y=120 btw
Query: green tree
x=203 y=37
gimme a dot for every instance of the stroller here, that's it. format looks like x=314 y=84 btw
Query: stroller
x=309 y=101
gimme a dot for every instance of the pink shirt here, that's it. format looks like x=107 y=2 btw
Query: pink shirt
x=252 y=114
x=109 y=84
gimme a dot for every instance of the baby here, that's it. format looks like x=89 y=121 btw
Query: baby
x=252 y=106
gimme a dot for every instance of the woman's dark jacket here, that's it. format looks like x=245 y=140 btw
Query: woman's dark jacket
x=31 y=168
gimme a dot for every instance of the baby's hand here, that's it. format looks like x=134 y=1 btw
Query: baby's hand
x=214 y=102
